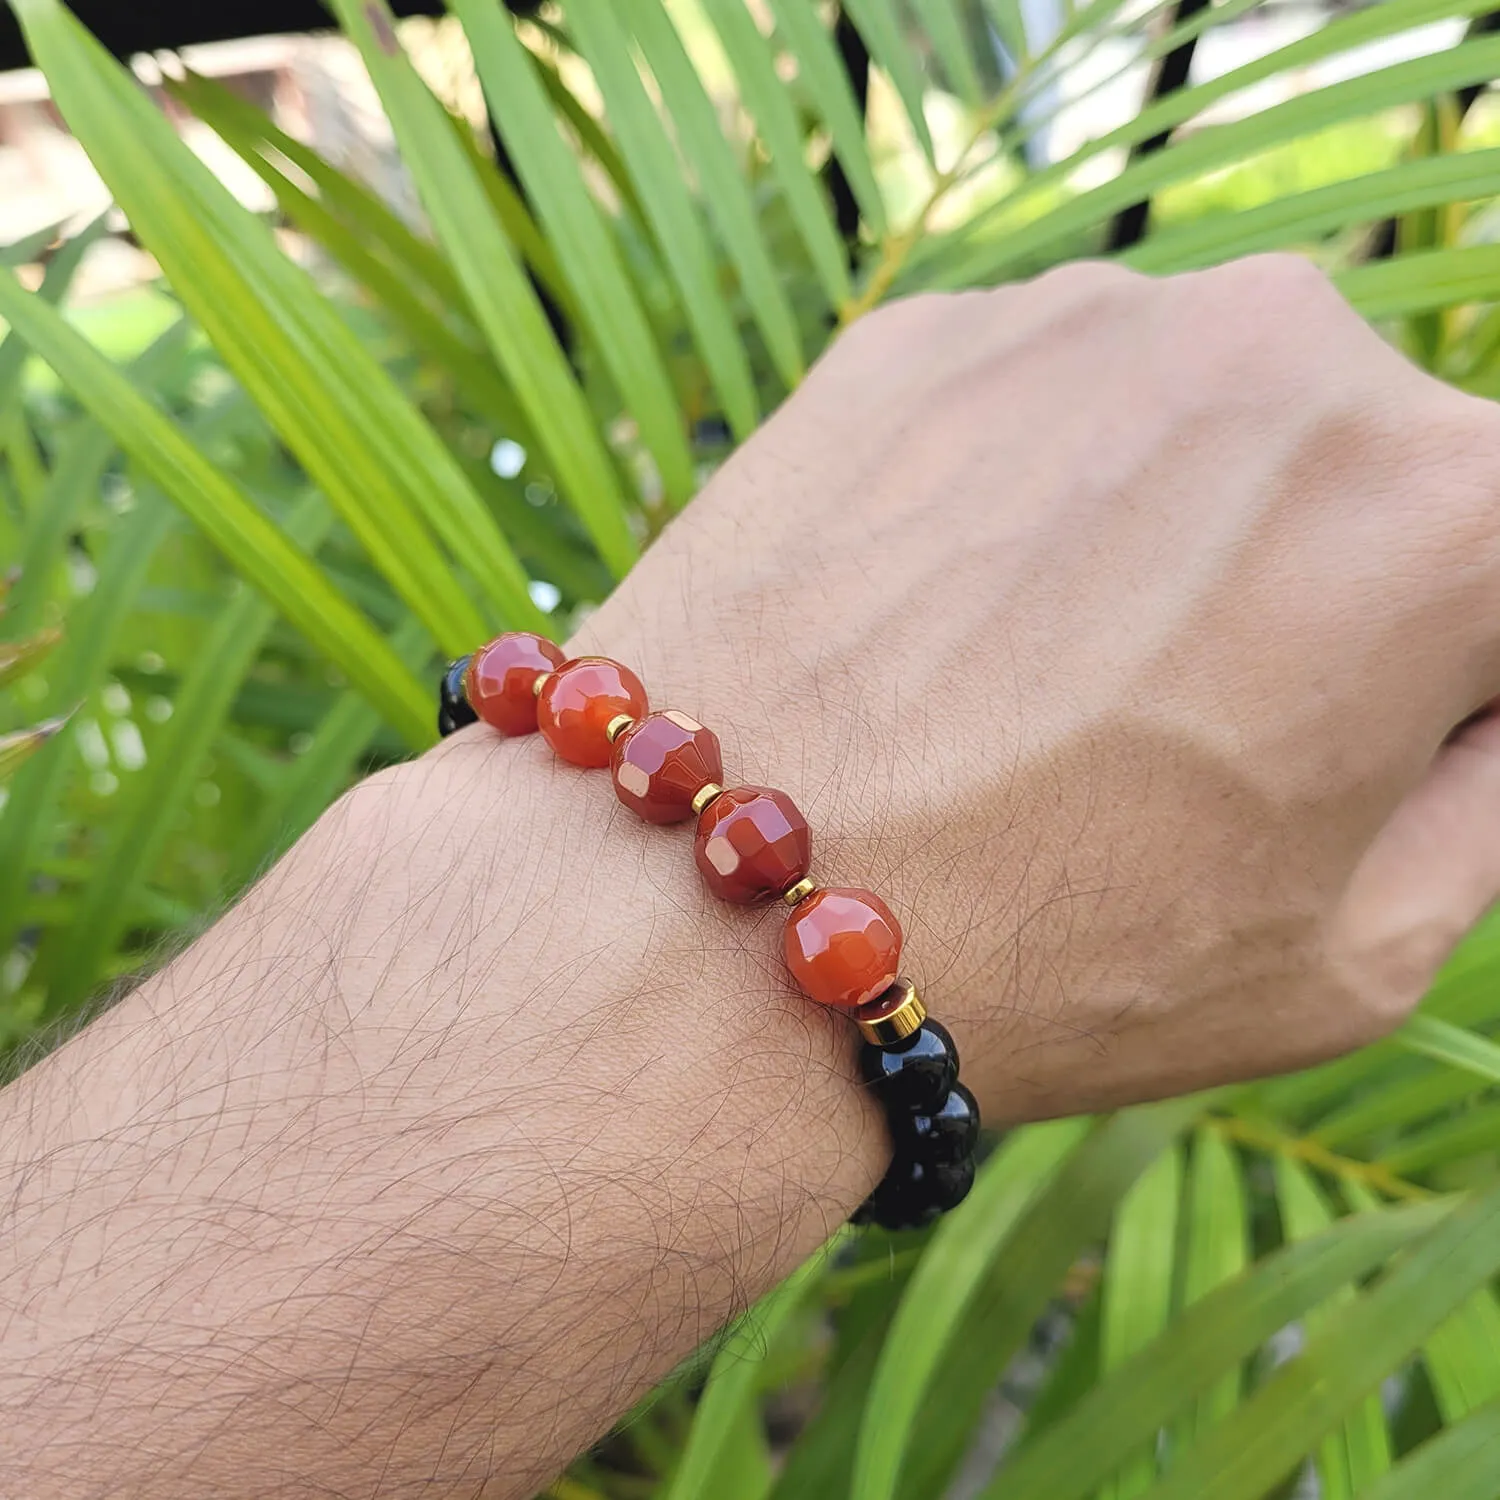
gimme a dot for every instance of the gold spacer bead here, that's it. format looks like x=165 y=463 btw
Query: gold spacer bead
x=617 y=726
x=539 y=684
x=706 y=794
x=893 y=1016
x=799 y=892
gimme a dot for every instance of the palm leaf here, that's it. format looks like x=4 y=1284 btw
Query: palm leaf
x=354 y=241
x=1361 y=1343
x=940 y=20
x=20 y=656
x=577 y=230
x=325 y=768
x=953 y=1273
x=751 y=56
x=249 y=540
x=720 y=182
x=968 y=1308
x=20 y=745
x=1451 y=1044
x=86 y=451
x=1216 y=1251
x=1359 y=1451
x=713 y=1463
x=825 y=90
x=1302 y=217
x=1459 y=1465
x=1448 y=1140
x=386 y=472
x=150 y=804
x=965 y=259
x=1138 y=1280
x=683 y=240
x=251 y=131
x=1211 y=1337
x=32 y=807
x=883 y=34
x=504 y=303
x=1423 y=281
x=1463 y=1357
x=61 y=269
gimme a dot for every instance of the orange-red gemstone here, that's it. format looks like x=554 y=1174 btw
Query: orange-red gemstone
x=579 y=700
x=752 y=843
x=501 y=681
x=660 y=765
x=843 y=946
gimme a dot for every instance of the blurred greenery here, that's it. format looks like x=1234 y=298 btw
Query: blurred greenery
x=245 y=514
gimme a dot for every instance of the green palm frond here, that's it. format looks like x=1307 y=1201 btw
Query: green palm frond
x=17 y=657
x=243 y=550
x=17 y=747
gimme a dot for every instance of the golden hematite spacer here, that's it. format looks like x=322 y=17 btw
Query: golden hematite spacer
x=617 y=726
x=799 y=892
x=539 y=684
x=706 y=794
x=893 y=1016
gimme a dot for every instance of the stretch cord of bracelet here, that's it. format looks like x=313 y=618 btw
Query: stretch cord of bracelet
x=842 y=946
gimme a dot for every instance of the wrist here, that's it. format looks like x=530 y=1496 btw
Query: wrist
x=648 y=986
x=476 y=1085
x=841 y=945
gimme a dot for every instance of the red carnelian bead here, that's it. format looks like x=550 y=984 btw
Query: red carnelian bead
x=501 y=681
x=843 y=946
x=752 y=843
x=660 y=765
x=579 y=700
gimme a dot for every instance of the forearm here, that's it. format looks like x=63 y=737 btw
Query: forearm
x=311 y=1211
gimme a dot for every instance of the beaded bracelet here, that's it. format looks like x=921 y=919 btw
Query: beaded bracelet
x=842 y=946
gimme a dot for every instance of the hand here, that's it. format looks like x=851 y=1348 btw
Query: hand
x=1115 y=631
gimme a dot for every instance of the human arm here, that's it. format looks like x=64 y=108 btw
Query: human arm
x=1111 y=630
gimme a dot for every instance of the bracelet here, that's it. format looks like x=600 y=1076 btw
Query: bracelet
x=842 y=946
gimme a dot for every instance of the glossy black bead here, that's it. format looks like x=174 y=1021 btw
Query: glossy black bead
x=914 y=1075
x=453 y=704
x=948 y=1133
x=915 y=1192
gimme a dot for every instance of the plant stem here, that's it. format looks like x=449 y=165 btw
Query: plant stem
x=841 y=1283
x=896 y=247
x=1268 y=1138
x=570 y=1489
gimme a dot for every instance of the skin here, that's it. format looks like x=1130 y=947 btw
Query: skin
x=1118 y=632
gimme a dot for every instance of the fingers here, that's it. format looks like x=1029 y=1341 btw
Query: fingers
x=1432 y=872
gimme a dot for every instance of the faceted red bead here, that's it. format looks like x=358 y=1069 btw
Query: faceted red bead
x=501 y=681
x=578 y=701
x=661 y=764
x=752 y=843
x=843 y=946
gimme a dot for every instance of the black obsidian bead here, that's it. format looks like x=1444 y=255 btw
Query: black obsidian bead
x=453 y=707
x=915 y=1192
x=948 y=1133
x=913 y=1075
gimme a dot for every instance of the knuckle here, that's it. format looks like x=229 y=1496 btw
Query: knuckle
x=1274 y=320
x=1465 y=426
x=1446 y=490
x=1278 y=279
x=1085 y=280
x=922 y=310
x=891 y=326
x=1374 y=980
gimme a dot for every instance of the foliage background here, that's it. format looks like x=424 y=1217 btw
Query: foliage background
x=244 y=548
